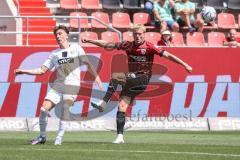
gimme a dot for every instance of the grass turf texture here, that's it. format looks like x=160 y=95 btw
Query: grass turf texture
x=138 y=146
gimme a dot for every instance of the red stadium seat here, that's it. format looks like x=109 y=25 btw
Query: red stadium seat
x=127 y=36
x=110 y=36
x=101 y=16
x=121 y=20
x=177 y=39
x=152 y=37
x=90 y=4
x=195 y=39
x=226 y=21
x=69 y=4
x=89 y=35
x=83 y=22
x=141 y=18
x=216 y=38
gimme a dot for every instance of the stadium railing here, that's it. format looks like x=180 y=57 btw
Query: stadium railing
x=27 y=32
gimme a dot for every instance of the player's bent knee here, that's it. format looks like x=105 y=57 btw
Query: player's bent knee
x=48 y=105
x=123 y=104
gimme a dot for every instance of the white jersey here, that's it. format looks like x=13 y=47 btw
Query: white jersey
x=67 y=62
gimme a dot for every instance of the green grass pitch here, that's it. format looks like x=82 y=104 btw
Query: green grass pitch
x=162 y=145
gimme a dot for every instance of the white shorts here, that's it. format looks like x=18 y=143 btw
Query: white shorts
x=56 y=97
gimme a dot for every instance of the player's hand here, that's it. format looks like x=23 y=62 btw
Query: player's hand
x=18 y=71
x=188 y=68
x=85 y=40
x=99 y=83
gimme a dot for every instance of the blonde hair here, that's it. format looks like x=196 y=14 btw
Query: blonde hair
x=137 y=27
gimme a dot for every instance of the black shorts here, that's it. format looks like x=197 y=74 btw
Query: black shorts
x=135 y=85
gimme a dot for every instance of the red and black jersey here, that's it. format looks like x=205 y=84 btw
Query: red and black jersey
x=140 y=57
x=164 y=43
x=229 y=40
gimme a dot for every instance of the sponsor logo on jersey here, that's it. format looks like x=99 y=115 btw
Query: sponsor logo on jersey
x=65 y=60
x=139 y=58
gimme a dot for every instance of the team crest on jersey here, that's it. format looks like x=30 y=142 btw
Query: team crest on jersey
x=143 y=51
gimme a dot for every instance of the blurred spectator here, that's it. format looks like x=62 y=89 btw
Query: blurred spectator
x=185 y=10
x=163 y=16
x=149 y=6
x=166 y=39
x=232 y=40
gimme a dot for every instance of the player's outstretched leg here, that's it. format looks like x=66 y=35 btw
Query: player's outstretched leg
x=41 y=139
x=102 y=104
x=117 y=78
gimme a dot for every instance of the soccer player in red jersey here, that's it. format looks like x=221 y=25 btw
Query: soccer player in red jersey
x=140 y=55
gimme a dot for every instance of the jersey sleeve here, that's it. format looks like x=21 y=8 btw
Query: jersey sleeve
x=125 y=45
x=49 y=63
x=156 y=49
x=177 y=7
x=155 y=6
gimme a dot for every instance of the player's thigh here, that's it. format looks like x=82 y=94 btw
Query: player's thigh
x=121 y=77
x=52 y=98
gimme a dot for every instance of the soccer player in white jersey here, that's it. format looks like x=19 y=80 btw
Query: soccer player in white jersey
x=66 y=60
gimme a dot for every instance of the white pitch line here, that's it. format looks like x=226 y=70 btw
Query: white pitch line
x=125 y=151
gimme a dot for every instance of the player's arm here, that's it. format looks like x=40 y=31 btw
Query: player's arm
x=175 y=59
x=38 y=71
x=93 y=71
x=233 y=43
x=100 y=43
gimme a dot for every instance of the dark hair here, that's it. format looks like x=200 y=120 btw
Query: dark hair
x=61 y=27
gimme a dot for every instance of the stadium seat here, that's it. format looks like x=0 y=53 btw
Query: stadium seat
x=195 y=39
x=83 y=22
x=177 y=39
x=90 y=4
x=199 y=3
x=141 y=18
x=121 y=20
x=89 y=35
x=132 y=4
x=226 y=21
x=69 y=4
x=216 y=38
x=152 y=37
x=101 y=16
x=110 y=36
x=127 y=36
x=217 y=4
x=234 y=4
x=111 y=4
